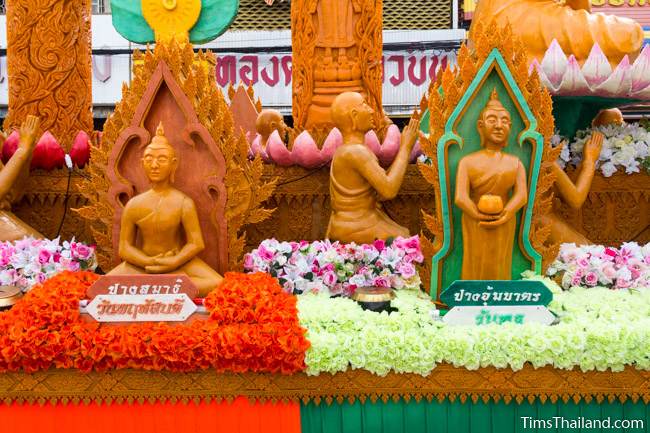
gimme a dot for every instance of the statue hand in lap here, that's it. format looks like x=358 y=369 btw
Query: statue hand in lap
x=165 y=222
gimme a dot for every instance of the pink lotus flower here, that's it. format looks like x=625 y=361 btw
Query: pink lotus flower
x=80 y=151
x=48 y=153
x=10 y=146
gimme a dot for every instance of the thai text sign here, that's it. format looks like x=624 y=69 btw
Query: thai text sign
x=489 y=293
x=164 y=284
x=498 y=315
x=141 y=308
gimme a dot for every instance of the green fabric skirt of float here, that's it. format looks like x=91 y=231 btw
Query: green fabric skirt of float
x=479 y=417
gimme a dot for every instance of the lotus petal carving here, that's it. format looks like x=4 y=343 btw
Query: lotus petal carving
x=563 y=75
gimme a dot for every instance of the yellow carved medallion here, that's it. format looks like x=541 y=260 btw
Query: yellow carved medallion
x=169 y=18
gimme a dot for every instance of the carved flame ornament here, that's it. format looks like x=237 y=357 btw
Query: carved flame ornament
x=453 y=84
x=207 y=121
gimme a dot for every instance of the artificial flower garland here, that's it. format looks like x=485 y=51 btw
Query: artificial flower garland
x=627 y=267
x=599 y=329
x=338 y=269
x=625 y=146
x=44 y=330
x=30 y=261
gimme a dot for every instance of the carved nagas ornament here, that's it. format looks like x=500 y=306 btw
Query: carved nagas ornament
x=195 y=76
x=453 y=83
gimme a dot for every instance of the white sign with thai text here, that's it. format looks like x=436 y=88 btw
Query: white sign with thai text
x=141 y=308
x=498 y=315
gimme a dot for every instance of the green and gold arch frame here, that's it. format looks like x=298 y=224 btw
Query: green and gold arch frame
x=454 y=105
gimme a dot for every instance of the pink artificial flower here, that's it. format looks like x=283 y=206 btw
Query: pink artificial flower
x=407 y=270
x=44 y=256
x=381 y=282
x=330 y=278
x=379 y=244
x=583 y=262
x=329 y=267
x=576 y=280
x=265 y=254
x=610 y=254
x=74 y=266
x=622 y=283
x=81 y=251
x=591 y=279
x=249 y=262
x=609 y=271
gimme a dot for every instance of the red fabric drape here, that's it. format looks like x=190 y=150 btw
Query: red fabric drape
x=240 y=416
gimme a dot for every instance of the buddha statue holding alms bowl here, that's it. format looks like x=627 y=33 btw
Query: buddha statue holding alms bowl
x=160 y=231
x=491 y=187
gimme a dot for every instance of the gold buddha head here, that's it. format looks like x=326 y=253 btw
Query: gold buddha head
x=270 y=120
x=611 y=116
x=159 y=159
x=494 y=122
x=351 y=112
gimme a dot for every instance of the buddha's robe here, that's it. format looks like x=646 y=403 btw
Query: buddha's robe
x=538 y=22
x=487 y=251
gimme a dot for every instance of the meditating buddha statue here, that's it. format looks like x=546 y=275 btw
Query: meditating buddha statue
x=491 y=187
x=357 y=182
x=160 y=231
x=11 y=227
x=538 y=22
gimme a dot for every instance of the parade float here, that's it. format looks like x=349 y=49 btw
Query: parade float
x=200 y=266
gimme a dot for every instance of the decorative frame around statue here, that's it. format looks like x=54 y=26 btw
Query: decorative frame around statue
x=173 y=72
x=455 y=102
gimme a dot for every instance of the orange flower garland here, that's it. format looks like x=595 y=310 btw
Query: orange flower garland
x=253 y=326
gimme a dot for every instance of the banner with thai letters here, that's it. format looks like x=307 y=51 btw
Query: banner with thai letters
x=406 y=76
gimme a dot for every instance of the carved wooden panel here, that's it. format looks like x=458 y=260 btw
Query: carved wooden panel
x=617 y=209
x=49 y=65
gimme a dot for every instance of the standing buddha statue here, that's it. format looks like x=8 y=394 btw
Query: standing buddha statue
x=491 y=187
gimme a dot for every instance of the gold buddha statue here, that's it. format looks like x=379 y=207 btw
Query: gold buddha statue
x=11 y=227
x=491 y=187
x=573 y=25
x=160 y=231
x=357 y=182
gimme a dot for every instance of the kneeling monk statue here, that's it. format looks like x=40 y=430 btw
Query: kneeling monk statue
x=357 y=181
x=166 y=224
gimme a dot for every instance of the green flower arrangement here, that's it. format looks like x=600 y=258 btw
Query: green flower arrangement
x=599 y=329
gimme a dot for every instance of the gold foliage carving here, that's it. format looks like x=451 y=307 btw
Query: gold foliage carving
x=453 y=83
x=195 y=74
x=444 y=382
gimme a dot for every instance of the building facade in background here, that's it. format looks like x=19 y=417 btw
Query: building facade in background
x=257 y=50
